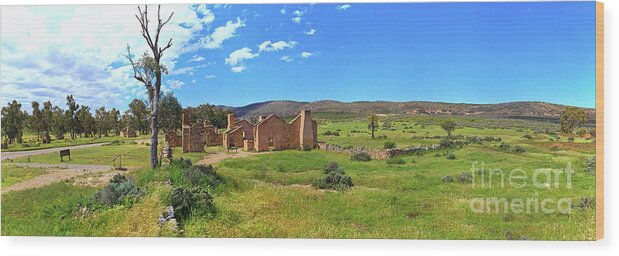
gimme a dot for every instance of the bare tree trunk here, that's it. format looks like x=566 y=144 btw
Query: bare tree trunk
x=154 y=124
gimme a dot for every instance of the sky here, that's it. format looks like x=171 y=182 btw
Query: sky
x=241 y=54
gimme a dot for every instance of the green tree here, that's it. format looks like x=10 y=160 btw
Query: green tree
x=86 y=121
x=13 y=121
x=140 y=114
x=572 y=118
x=216 y=116
x=113 y=120
x=148 y=69
x=36 y=119
x=47 y=112
x=102 y=121
x=60 y=122
x=72 y=123
x=373 y=123
x=170 y=113
x=449 y=126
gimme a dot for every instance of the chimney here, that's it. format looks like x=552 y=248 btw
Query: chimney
x=186 y=114
x=231 y=121
x=260 y=118
x=306 y=133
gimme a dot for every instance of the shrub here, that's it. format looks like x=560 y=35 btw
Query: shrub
x=389 y=145
x=361 y=156
x=119 y=190
x=528 y=136
x=554 y=148
x=570 y=139
x=450 y=156
x=517 y=149
x=447 y=179
x=381 y=136
x=446 y=143
x=465 y=177
x=504 y=146
x=185 y=163
x=397 y=160
x=196 y=201
x=330 y=133
x=199 y=175
x=590 y=166
x=335 y=178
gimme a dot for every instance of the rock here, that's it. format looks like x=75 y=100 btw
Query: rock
x=465 y=177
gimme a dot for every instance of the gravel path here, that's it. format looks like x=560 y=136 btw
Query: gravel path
x=56 y=172
x=16 y=154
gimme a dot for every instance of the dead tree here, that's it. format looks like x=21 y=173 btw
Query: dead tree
x=148 y=68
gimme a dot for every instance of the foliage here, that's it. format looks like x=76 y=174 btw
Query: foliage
x=389 y=145
x=330 y=133
x=590 y=166
x=199 y=175
x=191 y=201
x=138 y=115
x=13 y=122
x=527 y=136
x=373 y=123
x=72 y=119
x=450 y=156
x=571 y=118
x=118 y=190
x=335 y=178
x=361 y=156
x=215 y=115
x=170 y=111
x=449 y=126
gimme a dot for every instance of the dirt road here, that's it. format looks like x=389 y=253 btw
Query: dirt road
x=16 y=154
x=57 y=172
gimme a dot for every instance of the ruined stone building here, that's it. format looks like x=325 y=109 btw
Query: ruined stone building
x=269 y=133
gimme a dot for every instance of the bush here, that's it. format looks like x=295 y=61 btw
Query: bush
x=447 y=179
x=465 y=177
x=194 y=201
x=554 y=148
x=570 y=139
x=528 y=136
x=450 y=156
x=590 y=166
x=185 y=163
x=517 y=149
x=330 y=133
x=381 y=137
x=335 y=178
x=389 y=145
x=199 y=175
x=361 y=156
x=119 y=190
x=397 y=160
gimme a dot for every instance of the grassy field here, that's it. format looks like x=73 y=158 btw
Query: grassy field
x=272 y=195
x=31 y=143
x=13 y=174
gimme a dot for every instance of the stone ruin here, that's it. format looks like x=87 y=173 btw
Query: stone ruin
x=269 y=133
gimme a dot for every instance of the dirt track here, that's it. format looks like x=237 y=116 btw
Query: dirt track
x=56 y=172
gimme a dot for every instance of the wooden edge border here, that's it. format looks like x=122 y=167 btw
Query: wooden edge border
x=599 y=120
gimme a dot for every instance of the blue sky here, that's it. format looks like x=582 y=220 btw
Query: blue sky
x=240 y=54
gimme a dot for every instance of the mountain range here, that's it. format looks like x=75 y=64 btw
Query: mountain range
x=519 y=110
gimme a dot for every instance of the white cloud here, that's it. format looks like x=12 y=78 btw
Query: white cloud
x=51 y=51
x=222 y=33
x=182 y=71
x=306 y=54
x=176 y=84
x=238 y=69
x=282 y=11
x=269 y=46
x=285 y=58
x=196 y=58
x=211 y=76
x=299 y=14
x=238 y=56
x=311 y=32
x=343 y=7
x=193 y=81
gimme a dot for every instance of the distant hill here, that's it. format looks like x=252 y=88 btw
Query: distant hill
x=518 y=110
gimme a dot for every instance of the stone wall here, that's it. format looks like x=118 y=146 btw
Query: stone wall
x=173 y=139
x=376 y=153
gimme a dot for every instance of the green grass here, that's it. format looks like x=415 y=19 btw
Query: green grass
x=31 y=143
x=271 y=195
x=12 y=174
